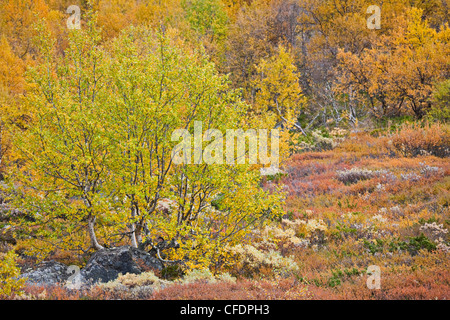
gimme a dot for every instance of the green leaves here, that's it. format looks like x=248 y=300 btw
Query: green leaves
x=99 y=149
x=207 y=17
x=9 y=272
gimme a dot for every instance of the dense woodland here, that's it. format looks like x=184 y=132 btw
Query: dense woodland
x=86 y=119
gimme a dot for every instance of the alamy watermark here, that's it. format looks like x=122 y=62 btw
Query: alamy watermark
x=221 y=148
x=374 y=21
x=374 y=278
x=74 y=21
x=74 y=280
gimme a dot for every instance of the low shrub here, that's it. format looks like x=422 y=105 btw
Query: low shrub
x=134 y=286
x=339 y=275
x=202 y=275
x=250 y=262
x=412 y=140
x=320 y=140
x=354 y=175
x=412 y=245
x=434 y=231
x=283 y=289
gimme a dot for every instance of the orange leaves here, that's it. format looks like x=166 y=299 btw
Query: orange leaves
x=432 y=139
x=12 y=84
x=11 y=69
x=396 y=76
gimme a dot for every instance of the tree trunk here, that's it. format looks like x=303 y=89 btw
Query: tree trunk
x=91 y=230
x=134 y=242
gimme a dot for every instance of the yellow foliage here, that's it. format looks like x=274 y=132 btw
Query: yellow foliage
x=278 y=98
x=9 y=272
x=399 y=72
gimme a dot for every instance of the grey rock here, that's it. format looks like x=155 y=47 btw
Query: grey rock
x=47 y=273
x=105 y=265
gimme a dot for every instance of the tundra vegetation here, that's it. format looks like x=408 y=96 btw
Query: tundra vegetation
x=87 y=118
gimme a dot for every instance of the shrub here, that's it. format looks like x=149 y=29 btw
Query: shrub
x=396 y=211
x=441 y=98
x=413 y=245
x=245 y=289
x=320 y=140
x=202 y=275
x=434 y=231
x=421 y=242
x=354 y=175
x=412 y=176
x=374 y=247
x=9 y=273
x=428 y=171
x=226 y=277
x=412 y=140
x=249 y=261
x=339 y=275
x=134 y=286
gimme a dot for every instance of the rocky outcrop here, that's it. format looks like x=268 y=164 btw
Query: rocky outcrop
x=106 y=264
x=47 y=273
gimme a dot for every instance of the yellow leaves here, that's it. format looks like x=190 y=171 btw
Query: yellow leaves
x=278 y=90
x=278 y=99
x=232 y=7
x=8 y=275
x=11 y=69
x=444 y=35
x=418 y=33
x=12 y=84
x=398 y=73
x=114 y=15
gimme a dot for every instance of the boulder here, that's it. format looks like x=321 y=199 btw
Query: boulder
x=105 y=265
x=47 y=273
